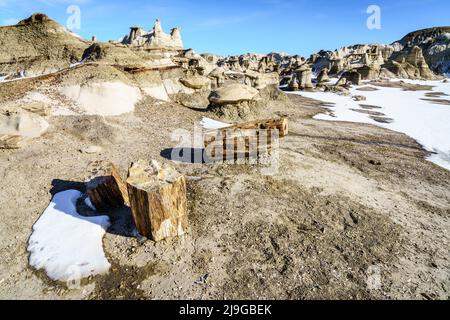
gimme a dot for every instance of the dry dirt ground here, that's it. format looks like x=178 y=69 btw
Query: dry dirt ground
x=354 y=212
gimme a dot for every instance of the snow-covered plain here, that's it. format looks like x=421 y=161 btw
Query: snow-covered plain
x=67 y=245
x=428 y=123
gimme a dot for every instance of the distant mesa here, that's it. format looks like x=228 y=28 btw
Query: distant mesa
x=156 y=38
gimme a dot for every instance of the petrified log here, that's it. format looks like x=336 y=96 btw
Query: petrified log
x=244 y=140
x=158 y=200
x=105 y=186
x=282 y=125
x=11 y=141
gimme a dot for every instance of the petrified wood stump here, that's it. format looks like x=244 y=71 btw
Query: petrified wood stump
x=158 y=200
x=105 y=186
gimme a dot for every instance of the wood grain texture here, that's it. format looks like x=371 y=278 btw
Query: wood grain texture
x=158 y=201
x=246 y=140
x=11 y=142
x=105 y=186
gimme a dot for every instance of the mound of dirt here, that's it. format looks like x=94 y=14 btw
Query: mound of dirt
x=38 y=45
x=108 y=53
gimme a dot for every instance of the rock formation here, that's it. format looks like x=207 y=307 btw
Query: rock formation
x=156 y=38
x=196 y=82
x=304 y=76
x=323 y=76
x=410 y=63
x=38 y=45
x=233 y=100
x=18 y=125
x=435 y=44
x=232 y=94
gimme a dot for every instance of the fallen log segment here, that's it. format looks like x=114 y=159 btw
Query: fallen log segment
x=158 y=200
x=282 y=125
x=242 y=129
x=246 y=140
x=105 y=186
x=11 y=142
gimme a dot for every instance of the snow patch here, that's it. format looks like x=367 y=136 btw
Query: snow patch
x=210 y=124
x=424 y=121
x=67 y=245
x=73 y=65
x=104 y=99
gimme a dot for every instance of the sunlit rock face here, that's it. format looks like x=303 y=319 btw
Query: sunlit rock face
x=156 y=38
x=435 y=44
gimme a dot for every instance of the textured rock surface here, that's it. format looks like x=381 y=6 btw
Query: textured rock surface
x=196 y=82
x=22 y=123
x=412 y=63
x=158 y=200
x=109 y=53
x=435 y=43
x=156 y=38
x=38 y=45
x=232 y=94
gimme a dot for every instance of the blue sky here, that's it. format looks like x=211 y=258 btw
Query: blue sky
x=232 y=26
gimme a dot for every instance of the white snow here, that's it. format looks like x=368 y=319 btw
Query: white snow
x=426 y=122
x=210 y=124
x=67 y=245
x=104 y=98
x=73 y=65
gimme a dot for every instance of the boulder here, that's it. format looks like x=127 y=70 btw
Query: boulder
x=359 y=98
x=92 y=150
x=232 y=94
x=338 y=90
x=196 y=82
x=22 y=123
x=323 y=76
x=304 y=76
x=217 y=76
x=39 y=108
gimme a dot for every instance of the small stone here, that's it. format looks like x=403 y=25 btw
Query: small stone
x=359 y=98
x=92 y=150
